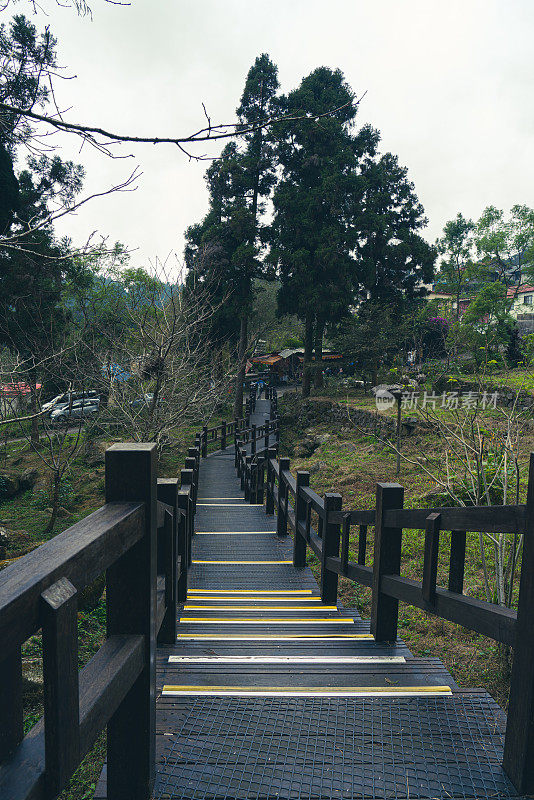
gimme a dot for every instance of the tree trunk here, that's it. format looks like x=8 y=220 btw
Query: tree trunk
x=34 y=410
x=55 y=503
x=308 y=353
x=318 y=375
x=241 y=368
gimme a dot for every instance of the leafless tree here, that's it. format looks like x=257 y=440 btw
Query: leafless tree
x=158 y=371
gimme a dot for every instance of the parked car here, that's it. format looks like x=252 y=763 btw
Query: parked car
x=79 y=410
x=146 y=400
x=65 y=399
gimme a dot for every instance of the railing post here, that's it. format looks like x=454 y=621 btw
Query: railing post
x=242 y=467
x=186 y=481
x=254 y=433
x=194 y=455
x=59 y=616
x=518 y=758
x=299 y=542
x=260 y=480
x=223 y=435
x=236 y=457
x=281 y=520
x=131 y=609
x=236 y=430
x=332 y=503
x=183 y=543
x=204 y=441
x=269 y=502
x=168 y=560
x=387 y=557
x=248 y=480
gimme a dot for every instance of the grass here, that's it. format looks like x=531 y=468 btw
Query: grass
x=516 y=379
x=352 y=462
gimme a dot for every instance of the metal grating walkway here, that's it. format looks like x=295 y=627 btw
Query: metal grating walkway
x=419 y=748
x=270 y=694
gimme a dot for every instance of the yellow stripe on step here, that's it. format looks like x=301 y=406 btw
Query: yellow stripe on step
x=193 y=590
x=312 y=691
x=267 y=621
x=242 y=562
x=312 y=609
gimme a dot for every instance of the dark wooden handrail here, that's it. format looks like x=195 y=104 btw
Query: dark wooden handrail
x=141 y=539
x=80 y=553
x=330 y=543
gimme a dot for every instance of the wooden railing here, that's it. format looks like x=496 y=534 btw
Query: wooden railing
x=240 y=430
x=141 y=538
x=297 y=506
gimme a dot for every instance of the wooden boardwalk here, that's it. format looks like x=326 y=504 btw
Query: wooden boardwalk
x=270 y=693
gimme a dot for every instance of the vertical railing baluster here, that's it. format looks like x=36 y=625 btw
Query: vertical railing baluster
x=186 y=482
x=11 y=715
x=430 y=563
x=271 y=477
x=299 y=542
x=345 y=533
x=168 y=553
x=332 y=505
x=362 y=544
x=59 y=617
x=457 y=561
x=281 y=520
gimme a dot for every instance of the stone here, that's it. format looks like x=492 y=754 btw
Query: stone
x=317 y=467
x=28 y=479
x=5 y=537
x=94 y=454
x=307 y=447
x=9 y=485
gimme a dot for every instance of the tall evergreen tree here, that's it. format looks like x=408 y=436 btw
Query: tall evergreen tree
x=394 y=261
x=218 y=253
x=230 y=234
x=311 y=237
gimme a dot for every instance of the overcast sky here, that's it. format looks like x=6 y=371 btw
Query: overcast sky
x=449 y=85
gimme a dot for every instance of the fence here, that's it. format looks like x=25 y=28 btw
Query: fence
x=294 y=502
x=222 y=434
x=141 y=538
